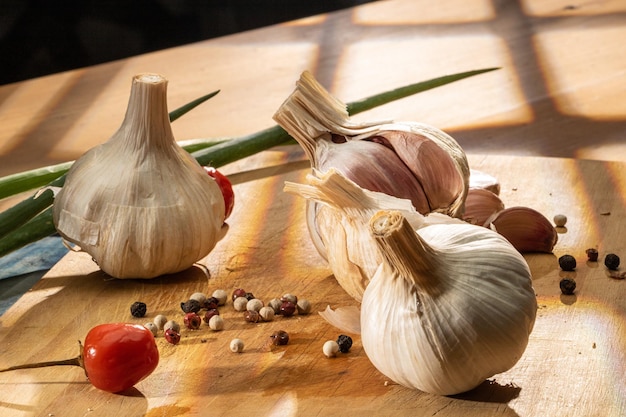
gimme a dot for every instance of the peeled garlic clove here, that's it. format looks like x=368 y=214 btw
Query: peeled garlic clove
x=450 y=305
x=139 y=204
x=526 y=229
x=480 y=205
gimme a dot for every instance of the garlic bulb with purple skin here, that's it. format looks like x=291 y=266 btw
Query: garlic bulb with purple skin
x=408 y=160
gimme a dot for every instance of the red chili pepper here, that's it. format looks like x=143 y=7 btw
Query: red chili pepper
x=115 y=356
x=226 y=187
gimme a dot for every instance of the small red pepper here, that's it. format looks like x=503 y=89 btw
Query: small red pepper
x=115 y=356
x=226 y=187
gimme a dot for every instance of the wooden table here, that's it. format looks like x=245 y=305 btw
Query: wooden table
x=549 y=124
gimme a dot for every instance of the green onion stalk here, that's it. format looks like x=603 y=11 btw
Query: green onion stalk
x=31 y=219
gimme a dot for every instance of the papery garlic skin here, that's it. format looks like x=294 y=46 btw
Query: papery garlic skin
x=456 y=309
x=407 y=160
x=139 y=204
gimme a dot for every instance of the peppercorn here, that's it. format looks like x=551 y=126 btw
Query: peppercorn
x=216 y=323
x=254 y=304
x=138 y=309
x=210 y=313
x=239 y=292
x=567 y=263
x=289 y=297
x=560 y=220
x=280 y=338
x=211 y=302
x=191 y=306
x=236 y=345
x=344 y=342
x=592 y=254
x=199 y=296
x=220 y=296
x=303 y=306
x=251 y=316
x=192 y=321
x=567 y=286
x=172 y=336
x=287 y=309
x=267 y=313
x=152 y=327
x=250 y=296
x=240 y=304
x=160 y=321
x=611 y=261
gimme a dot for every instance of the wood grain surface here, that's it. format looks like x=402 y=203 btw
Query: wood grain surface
x=573 y=366
x=549 y=124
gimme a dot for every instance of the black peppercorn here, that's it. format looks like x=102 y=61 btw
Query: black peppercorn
x=611 y=261
x=191 y=306
x=249 y=296
x=567 y=263
x=568 y=286
x=344 y=342
x=138 y=309
x=211 y=303
x=592 y=254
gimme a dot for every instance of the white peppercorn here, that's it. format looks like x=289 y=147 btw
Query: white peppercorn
x=560 y=220
x=199 y=297
x=160 y=321
x=240 y=303
x=330 y=348
x=216 y=323
x=303 y=306
x=267 y=313
x=221 y=296
x=152 y=327
x=236 y=345
x=254 y=305
x=275 y=303
x=289 y=297
x=171 y=324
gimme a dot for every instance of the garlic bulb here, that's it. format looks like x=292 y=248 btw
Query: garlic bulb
x=450 y=303
x=408 y=160
x=450 y=306
x=139 y=204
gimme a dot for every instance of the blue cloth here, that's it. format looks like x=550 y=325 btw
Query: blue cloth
x=21 y=269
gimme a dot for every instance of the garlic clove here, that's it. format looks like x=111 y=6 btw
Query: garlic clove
x=480 y=205
x=139 y=204
x=526 y=229
x=480 y=179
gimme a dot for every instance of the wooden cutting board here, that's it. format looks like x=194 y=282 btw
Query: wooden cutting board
x=574 y=365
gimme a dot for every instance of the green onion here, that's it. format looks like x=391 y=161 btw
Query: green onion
x=31 y=219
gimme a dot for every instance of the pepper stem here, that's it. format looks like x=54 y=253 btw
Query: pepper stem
x=77 y=361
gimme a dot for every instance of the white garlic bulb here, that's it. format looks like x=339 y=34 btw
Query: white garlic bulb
x=139 y=204
x=408 y=160
x=450 y=304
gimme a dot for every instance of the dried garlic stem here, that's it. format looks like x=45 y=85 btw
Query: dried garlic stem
x=404 y=250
